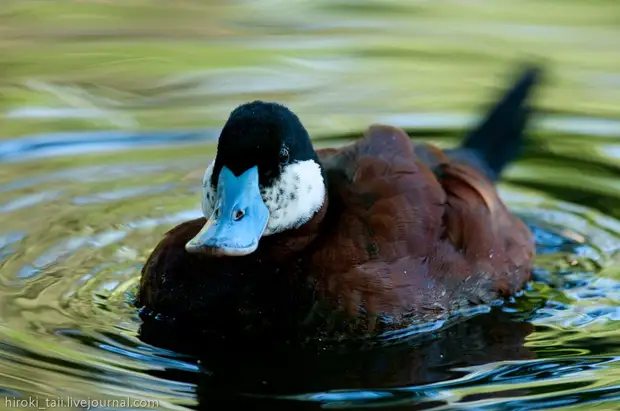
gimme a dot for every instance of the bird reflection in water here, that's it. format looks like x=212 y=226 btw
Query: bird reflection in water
x=403 y=374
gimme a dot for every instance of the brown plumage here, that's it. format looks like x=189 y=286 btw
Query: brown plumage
x=407 y=233
x=411 y=240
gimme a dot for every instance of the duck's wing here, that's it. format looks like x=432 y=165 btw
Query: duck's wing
x=414 y=235
x=477 y=223
x=385 y=207
x=476 y=220
x=385 y=192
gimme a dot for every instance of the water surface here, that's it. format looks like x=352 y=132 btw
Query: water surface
x=107 y=107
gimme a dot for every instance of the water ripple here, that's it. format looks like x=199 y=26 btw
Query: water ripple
x=69 y=316
x=81 y=210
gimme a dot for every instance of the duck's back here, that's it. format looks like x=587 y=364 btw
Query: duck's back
x=414 y=232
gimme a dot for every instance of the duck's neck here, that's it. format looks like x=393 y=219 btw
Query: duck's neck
x=283 y=246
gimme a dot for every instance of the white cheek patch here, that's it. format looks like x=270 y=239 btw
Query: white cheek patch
x=295 y=197
x=208 y=192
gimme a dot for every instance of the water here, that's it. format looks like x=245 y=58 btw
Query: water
x=108 y=106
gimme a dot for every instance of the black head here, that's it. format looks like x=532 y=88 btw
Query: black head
x=263 y=134
x=266 y=179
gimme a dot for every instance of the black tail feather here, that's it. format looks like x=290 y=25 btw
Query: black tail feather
x=500 y=136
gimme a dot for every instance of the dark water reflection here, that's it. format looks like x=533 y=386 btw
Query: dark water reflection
x=70 y=263
x=371 y=377
x=80 y=210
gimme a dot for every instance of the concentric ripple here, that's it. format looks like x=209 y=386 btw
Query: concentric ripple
x=107 y=106
x=74 y=238
x=70 y=263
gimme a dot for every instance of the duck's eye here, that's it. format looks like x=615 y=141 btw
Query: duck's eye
x=283 y=155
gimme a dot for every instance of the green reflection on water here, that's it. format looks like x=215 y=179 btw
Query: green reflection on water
x=339 y=64
x=66 y=285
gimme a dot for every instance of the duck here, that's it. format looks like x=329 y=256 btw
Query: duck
x=343 y=243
